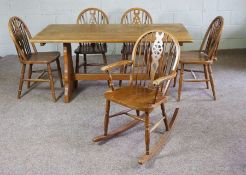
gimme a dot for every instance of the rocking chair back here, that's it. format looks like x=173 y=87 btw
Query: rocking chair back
x=155 y=55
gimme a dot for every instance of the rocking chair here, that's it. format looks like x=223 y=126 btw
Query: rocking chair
x=154 y=63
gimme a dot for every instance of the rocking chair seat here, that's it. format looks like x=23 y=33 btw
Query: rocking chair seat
x=193 y=57
x=135 y=97
x=91 y=48
x=43 y=57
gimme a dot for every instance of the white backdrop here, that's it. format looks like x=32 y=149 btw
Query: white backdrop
x=194 y=14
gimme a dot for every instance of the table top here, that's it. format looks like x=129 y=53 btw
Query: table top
x=109 y=33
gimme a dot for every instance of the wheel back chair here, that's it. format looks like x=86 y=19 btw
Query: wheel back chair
x=133 y=16
x=154 y=62
x=205 y=56
x=28 y=55
x=91 y=16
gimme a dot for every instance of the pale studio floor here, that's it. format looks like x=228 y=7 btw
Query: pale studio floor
x=38 y=136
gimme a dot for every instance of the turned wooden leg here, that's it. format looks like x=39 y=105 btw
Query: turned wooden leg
x=52 y=88
x=211 y=81
x=181 y=81
x=104 y=59
x=76 y=69
x=147 y=132
x=175 y=80
x=59 y=71
x=106 y=118
x=29 y=75
x=125 y=67
x=206 y=74
x=77 y=63
x=161 y=142
x=123 y=57
x=68 y=72
x=23 y=68
x=137 y=112
x=165 y=117
x=85 y=64
x=105 y=62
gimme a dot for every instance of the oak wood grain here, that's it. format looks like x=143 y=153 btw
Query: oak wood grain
x=205 y=56
x=28 y=55
x=156 y=55
x=107 y=33
x=95 y=33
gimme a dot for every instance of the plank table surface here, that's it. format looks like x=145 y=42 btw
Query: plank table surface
x=103 y=33
x=109 y=33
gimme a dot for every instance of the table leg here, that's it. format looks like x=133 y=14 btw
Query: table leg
x=68 y=72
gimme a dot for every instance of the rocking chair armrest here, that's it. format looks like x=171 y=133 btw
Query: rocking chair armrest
x=158 y=81
x=115 y=65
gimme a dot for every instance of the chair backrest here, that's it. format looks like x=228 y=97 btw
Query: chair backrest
x=211 y=39
x=92 y=16
x=156 y=54
x=136 y=16
x=20 y=36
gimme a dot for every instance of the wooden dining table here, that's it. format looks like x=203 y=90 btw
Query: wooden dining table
x=103 y=33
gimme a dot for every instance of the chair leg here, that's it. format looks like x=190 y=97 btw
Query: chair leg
x=29 y=75
x=59 y=71
x=123 y=69
x=165 y=117
x=104 y=59
x=206 y=74
x=137 y=112
x=85 y=64
x=52 y=88
x=105 y=63
x=23 y=68
x=77 y=63
x=108 y=135
x=161 y=142
x=76 y=82
x=147 y=132
x=181 y=81
x=175 y=80
x=211 y=81
x=106 y=117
